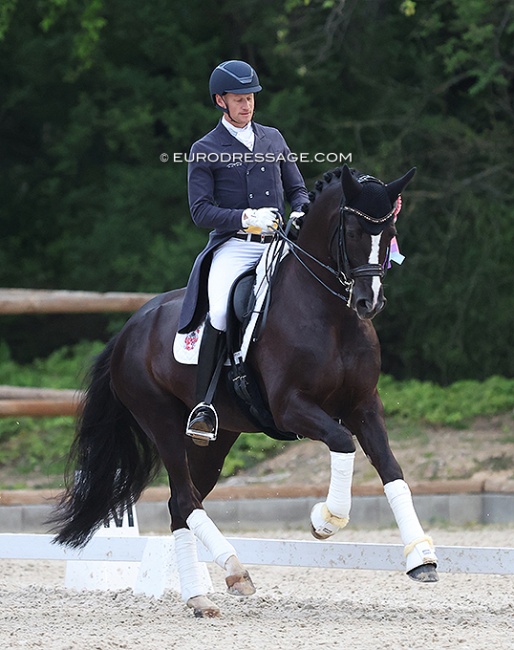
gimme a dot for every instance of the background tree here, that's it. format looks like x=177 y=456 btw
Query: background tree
x=93 y=92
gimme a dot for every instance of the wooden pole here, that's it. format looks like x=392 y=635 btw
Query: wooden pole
x=35 y=301
x=26 y=392
x=38 y=407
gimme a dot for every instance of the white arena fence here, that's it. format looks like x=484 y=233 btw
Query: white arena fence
x=117 y=557
x=260 y=551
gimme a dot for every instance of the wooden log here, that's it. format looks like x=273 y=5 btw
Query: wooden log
x=38 y=407
x=26 y=392
x=36 y=301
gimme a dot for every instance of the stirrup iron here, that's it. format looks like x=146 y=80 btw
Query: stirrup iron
x=202 y=438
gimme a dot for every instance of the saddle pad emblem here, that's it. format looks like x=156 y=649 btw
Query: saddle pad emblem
x=186 y=347
x=191 y=339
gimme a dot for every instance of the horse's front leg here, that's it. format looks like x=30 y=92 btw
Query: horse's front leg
x=310 y=421
x=369 y=426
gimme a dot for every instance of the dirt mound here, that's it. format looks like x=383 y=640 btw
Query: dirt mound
x=482 y=452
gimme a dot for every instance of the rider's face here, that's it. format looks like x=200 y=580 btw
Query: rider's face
x=240 y=107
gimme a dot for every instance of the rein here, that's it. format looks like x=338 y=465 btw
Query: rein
x=341 y=277
x=344 y=273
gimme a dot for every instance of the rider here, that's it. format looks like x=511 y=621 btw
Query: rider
x=238 y=175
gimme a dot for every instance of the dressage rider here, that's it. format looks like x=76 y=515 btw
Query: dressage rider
x=238 y=175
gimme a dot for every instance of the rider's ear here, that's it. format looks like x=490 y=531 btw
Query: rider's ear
x=395 y=188
x=351 y=186
x=220 y=101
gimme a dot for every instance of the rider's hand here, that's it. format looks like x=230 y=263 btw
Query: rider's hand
x=296 y=218
x=262 y=220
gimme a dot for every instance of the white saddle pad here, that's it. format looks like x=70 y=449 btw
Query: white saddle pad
x=186 y=346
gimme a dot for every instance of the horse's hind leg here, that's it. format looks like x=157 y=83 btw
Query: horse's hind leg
x=369 y=427
x=205 y=465
x=163 y=420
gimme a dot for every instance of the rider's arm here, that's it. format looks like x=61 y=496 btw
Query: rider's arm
x=204 y=210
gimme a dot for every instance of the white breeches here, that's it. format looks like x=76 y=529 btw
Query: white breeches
x=228 y=262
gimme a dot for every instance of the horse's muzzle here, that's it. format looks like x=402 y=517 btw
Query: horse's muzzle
x=365 y=308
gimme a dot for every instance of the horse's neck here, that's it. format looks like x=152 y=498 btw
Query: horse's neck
x=320 y=224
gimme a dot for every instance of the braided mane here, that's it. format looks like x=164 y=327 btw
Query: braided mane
x=320 y=184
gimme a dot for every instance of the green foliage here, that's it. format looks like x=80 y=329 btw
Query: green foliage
x=456 y=405
x=6 y=10
x=250 y=449
x=35 y=446
x=93 y=92
x=41 y=445
x=38 y=447
x=64 y=368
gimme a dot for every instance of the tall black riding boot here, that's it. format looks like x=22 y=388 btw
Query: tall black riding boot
x=202 y=424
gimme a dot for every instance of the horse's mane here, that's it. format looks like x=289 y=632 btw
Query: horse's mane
x=369 y=201
x=321 y=183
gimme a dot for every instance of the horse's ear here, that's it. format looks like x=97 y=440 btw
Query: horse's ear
x=351 y=186
x=395 y=188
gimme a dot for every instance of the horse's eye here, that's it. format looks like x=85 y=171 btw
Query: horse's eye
x=353 y=234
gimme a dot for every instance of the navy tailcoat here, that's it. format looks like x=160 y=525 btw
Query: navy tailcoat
x=225 y=178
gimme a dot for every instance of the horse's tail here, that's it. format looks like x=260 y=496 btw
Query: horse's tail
x=111 y=461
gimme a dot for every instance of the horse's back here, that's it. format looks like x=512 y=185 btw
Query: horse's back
x=172 y=299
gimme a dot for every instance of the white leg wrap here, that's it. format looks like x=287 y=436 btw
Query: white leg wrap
x=419 y=548
x=210 y=536
x=327 y=518
x=191 y=575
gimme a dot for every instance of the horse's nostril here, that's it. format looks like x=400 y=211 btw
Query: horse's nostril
x=364 y=305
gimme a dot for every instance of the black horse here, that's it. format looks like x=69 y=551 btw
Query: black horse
x=317 y=364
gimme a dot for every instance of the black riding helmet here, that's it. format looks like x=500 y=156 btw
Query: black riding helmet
x=233 y=77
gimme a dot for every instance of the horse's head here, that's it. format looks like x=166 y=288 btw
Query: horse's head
x=367 y=226
x=356 y=214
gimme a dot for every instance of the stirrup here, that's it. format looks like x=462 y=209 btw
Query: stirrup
x=202 y=438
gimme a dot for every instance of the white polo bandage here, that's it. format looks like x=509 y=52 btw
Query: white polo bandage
x=190 y=571
x=327 y=518
x=210 y=536
x=339 y=498
x=419 y=548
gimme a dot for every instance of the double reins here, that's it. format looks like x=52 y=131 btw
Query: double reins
x=338 y=273
x=344 y=273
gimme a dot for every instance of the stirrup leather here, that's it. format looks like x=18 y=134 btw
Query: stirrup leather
x=202 y=436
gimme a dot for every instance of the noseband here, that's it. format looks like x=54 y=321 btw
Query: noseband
x=345 y=273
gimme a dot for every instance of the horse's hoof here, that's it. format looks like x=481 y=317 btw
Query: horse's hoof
x=203 y=607
x=424 y=573
x=316 y=534
x=240 y=585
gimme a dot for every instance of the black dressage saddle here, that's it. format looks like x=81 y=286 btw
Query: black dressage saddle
x=242 y=380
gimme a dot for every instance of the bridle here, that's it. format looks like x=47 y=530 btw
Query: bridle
x=344 y=272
